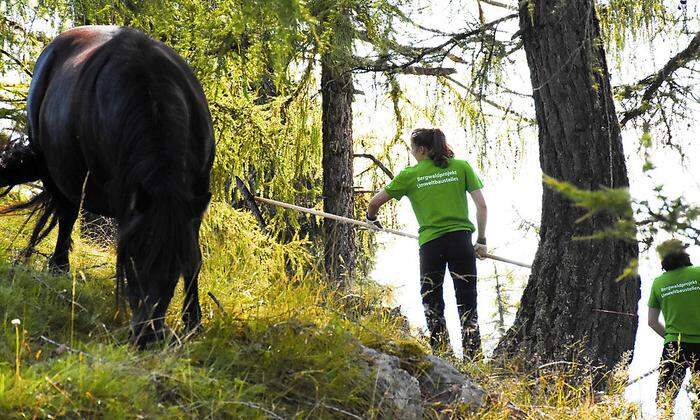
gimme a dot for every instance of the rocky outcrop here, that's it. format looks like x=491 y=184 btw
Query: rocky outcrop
x=399 y=394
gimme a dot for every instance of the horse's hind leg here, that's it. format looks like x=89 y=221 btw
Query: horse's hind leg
x=67 y=214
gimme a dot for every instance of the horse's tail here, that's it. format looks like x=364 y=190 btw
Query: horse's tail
x=20 y=164
x=44 y=207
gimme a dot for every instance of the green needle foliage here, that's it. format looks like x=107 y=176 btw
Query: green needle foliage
x=613 y=201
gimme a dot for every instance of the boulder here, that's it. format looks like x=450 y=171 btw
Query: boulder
x=442 y=382
x=397 y=393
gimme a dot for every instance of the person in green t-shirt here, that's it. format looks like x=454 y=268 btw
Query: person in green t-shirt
x=436 y=187
x=676 y=295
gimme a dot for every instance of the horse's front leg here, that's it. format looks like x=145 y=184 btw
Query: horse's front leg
x=67 y=214
x=191 y=311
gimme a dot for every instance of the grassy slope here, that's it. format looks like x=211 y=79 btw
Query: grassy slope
x=280 y=345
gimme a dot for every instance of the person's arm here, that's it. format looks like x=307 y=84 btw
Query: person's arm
x=481 y=217
x=375 y=203
x=654 y=322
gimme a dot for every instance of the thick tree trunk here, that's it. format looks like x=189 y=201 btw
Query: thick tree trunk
x=337 y=91
x=579 y=142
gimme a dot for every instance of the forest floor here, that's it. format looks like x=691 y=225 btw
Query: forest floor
x=280 y=345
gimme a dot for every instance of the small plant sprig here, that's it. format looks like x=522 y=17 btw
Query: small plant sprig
x=16 y=322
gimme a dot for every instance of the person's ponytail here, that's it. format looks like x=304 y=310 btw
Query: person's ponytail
x=434 y=140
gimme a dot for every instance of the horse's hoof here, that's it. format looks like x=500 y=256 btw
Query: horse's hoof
x=59 y=267
x=147 y=336
x=192 y=325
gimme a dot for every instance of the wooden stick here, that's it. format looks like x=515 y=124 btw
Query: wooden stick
x=507 y=260
x=366 y=225
x=333 y=217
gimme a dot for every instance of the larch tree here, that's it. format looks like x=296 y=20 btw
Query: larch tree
x=337 y=94
x=573 y=309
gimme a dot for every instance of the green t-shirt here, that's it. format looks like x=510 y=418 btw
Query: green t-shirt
x=438 y=196
x=677 y=293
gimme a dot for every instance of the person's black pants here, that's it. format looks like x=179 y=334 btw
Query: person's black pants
x=675 y=360
x=453 y=250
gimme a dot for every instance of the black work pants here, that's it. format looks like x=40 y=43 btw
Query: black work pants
x=453 y=250
x=675 y=360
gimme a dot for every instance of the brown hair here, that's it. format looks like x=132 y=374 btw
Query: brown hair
x=434 y=140
x=675 y=260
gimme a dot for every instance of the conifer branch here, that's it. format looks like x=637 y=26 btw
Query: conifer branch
x=506 y=110
x=654 y=81
x=418 y=54
x=16 y=61
x=499 y=4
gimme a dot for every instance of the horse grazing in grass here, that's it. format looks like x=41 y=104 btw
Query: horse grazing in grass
x=119 y=125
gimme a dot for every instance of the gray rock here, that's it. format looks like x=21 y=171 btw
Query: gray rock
x=397 y=393
x=441 y=382
x=400 y=395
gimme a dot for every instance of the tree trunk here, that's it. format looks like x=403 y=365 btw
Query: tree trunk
x=579 y=142
x=337 y=91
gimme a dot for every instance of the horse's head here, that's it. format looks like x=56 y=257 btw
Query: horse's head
x=158 y=244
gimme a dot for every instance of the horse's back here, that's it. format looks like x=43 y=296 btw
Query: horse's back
x=101 y=94
x=64 y=57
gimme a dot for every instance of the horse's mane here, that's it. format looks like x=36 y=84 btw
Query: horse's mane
x=139 y=102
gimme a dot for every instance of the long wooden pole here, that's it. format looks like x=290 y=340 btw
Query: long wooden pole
x=366 y=225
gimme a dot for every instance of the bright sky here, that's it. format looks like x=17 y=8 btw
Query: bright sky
x=514 y=194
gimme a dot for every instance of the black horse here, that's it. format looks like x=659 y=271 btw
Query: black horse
x=119 y=125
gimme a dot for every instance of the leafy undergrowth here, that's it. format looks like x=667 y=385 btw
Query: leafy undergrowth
x=275 y=342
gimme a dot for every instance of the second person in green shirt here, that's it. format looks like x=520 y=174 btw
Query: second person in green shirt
x=676 y=295
x=436 y=187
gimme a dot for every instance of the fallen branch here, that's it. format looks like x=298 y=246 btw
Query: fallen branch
x=65 y=347
x=217 y=302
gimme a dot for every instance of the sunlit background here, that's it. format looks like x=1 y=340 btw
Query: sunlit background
x=513 y=190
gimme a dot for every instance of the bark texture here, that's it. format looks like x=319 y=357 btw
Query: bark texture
x=337 y=93
x=579 y=142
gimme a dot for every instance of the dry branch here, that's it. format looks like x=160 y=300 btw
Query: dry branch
x=376 y=162
x=422 y=53
x=654 y=81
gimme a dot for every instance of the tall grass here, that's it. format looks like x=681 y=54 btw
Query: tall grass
x=276 y=342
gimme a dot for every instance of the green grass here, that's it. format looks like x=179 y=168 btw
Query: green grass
x=281 y=344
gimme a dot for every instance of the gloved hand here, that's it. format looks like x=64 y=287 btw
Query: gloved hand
x=480 y=248
x=374 y=222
